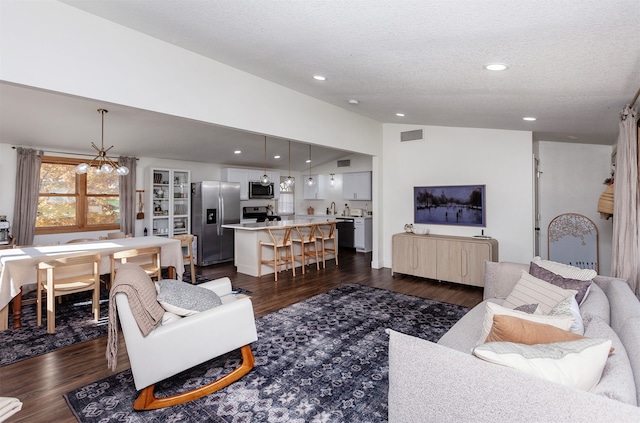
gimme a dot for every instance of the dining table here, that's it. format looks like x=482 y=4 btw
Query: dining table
x=18 y=266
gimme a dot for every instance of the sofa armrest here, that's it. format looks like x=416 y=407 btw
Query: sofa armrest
x=431 y=382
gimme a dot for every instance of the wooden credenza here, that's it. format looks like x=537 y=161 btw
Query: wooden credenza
x=447 y=258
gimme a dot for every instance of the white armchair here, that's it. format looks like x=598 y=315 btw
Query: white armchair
x=184 y=342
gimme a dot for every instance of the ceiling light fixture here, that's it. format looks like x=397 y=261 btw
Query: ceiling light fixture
x=400 y=114
x=237 y=152
x=529 y=118
x=332 y=181
x=354 y=102
x=103 y=163
x=310 y=181
x=276 y=157
x=496 y=66
x=289 y=181
x=319 y=78
x=264 y=181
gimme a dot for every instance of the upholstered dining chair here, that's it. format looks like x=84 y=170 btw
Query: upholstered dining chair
x=306 y=237
x=147 y=258
x=179 y=343
x=327 y=239
x=280 y=243
x=186 y=242
x=65 y=276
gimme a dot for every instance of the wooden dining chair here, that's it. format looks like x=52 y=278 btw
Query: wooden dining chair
x=186 y=242
x=327 y=238
x=75 y=241
x=65 y=276
x=306 y=237
x=279 y=244
x=147 y=258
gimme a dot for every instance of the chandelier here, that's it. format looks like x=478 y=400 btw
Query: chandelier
x=264 y=181
x=102 y=162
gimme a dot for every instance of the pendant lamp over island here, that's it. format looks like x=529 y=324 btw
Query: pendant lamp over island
x=264 y=181
x=310 y=181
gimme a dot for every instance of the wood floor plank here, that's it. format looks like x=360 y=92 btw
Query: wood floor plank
x=40 y=382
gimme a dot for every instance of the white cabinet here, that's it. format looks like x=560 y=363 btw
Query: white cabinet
x=356 y=186
x=363 y=234
x=244 y=176
x=317 y=191
x=168 y=202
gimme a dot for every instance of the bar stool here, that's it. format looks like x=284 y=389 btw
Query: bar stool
x=187 y=241
x=278 y=244
x=307 y=240
x=325 y=236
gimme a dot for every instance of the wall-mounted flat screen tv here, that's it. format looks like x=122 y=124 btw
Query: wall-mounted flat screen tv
x=462 y=205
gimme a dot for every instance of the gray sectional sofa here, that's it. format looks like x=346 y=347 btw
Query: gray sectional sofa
x=445 y=382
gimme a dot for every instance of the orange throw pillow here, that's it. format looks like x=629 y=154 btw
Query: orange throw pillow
x=520 y=331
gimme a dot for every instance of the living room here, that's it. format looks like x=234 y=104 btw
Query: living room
x=510 y=163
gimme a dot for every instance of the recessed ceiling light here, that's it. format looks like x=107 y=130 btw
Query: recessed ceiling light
x=572 y=137
x=354 y=101
x=319 y=78
x=237 y=152
x=400 y=114
x=308 y=161
x=276 y=157
x=529 y=118
x=496 y=66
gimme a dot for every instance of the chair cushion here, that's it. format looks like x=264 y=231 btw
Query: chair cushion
x=185 y=299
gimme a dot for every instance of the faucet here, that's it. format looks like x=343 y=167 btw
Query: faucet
x=333 y=207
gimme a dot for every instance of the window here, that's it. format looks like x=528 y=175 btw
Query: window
x=285 y=203
x=69 y=202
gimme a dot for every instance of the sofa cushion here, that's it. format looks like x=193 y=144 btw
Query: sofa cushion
x=622 y=301
x=578 y=363
x=500 y=278
x=566 y=270
x=630 y=336
x=185 y=299
x=596 y=304
x=562 y=322
x=521 y=331
x=617 y=380
x=464 y=335
x=580 y=286
x=530 y=289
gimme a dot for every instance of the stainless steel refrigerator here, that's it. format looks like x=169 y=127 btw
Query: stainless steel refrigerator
x=214 y=204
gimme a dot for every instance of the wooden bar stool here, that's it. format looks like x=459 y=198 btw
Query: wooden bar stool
x=186 y=241
x=327 y=234
x=306 y=239
x=279 y=245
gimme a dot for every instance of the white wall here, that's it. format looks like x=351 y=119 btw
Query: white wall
x=571 y=182
x=502 y=160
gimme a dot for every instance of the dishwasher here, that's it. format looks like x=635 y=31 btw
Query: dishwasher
x=346 y=231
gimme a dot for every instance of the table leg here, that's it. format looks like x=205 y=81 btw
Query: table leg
x=17 y=310
x=172 y=272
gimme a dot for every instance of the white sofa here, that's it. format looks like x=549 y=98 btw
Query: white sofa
x=445 y=382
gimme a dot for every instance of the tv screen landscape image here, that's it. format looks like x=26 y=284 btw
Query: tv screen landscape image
x=462 y=205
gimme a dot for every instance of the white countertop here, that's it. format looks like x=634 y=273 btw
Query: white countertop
x=329 y=216
x=276 y=224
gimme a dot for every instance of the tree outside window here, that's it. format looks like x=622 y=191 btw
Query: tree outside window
x=69 y=202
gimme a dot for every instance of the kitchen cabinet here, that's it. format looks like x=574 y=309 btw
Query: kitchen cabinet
x=363 y=234
x=169 y=202
x=243 y=176
x=356 y=186
x=317 y=191
x=446 y=258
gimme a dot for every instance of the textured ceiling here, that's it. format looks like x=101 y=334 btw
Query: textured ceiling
x=572 y=65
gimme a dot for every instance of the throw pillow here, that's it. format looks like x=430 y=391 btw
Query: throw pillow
x=562 y=322
x=185 y=299
x=530 y=289
x=567 y=283
x=520 y=331
x=566 y=270
x=578 y=363
x=528 y=308
x=569 y=307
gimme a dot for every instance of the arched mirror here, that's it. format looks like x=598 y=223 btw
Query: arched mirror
x=573 y=240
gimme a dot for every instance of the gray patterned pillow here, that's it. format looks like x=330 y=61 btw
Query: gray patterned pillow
x=185 y=299
x=566 y=283
x=527 y=308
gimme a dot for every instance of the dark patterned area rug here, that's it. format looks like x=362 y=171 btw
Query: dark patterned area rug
x=321 y=360
x=74 y=324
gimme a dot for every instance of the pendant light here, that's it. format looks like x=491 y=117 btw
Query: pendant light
x=264 y=181
x=310 y=181
x=289 y=181
x=103 y=163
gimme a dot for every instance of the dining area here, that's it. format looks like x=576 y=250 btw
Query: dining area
x=25 y=268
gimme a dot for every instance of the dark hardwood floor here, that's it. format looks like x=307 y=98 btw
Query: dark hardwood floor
x=40 y=382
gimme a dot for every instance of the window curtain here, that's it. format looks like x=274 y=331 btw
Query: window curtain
x=25 y=209
x=128 y=195
x=625 y=249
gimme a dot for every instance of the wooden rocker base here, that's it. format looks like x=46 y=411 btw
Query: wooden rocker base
x=148 y=401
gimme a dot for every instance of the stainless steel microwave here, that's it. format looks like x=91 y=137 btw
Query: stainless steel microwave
x=257 y=190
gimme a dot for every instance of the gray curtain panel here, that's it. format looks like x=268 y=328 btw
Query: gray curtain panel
x=128 y=195
x=625 y=248
x=25 y=209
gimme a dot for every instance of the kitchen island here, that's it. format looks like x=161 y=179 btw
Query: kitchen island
x=247 y=237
